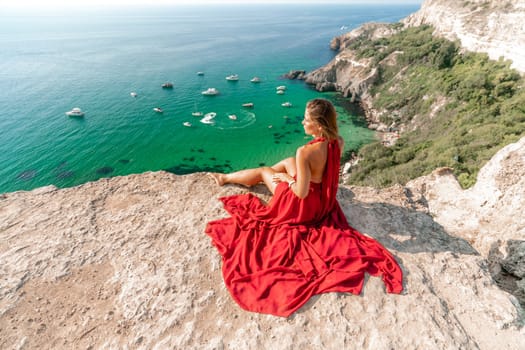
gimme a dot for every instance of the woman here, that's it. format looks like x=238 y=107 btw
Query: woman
x=276 y=256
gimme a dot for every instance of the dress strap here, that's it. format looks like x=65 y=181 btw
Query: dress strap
x=331 y=176
x=317 y=139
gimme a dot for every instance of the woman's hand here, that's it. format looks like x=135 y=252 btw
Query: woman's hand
x=281 y=177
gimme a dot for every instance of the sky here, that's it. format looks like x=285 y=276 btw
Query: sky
x=70 y=3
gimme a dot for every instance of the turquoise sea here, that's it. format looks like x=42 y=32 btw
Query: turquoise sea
x=52 y=61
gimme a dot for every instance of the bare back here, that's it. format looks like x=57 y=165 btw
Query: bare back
x=316 y=155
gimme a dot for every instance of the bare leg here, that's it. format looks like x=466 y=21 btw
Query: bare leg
x=250 y=177
x=287 y=165
x=247 y=177
x=218 y=178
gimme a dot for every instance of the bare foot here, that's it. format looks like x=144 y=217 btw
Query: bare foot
x=218 y=177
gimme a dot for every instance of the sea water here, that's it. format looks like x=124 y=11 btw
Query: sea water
x=52 y=61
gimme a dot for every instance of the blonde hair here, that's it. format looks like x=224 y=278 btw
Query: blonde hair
x=323 y=113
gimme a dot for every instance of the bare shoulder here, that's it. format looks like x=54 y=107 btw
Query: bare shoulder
x=302 y=151
x=308 y=149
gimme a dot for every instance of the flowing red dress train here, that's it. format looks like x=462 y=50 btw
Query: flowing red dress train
x=276 y=256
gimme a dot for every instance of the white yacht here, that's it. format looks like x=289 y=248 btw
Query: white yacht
x=208 y=118
x=255 y=80
x=158 y=110
x=133 y=94
x=75 y=112
x=286 y=104
x=197 y=114
x=233 y=77
x=281 y=87
x=187 y=124
x=211 y=92
x=232 y=116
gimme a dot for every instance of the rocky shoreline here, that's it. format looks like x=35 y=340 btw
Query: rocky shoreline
x=352 y=76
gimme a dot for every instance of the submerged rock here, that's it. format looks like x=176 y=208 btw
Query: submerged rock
x=105 y=170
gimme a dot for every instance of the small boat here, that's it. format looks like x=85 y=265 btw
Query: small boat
x=232 y=116
x=211 y=92
x=158 y=110
x=75 y=112
x=286 y=104
x=200 y=73
x=255 y=80
x=280 y=92
x=208 y=118
x=133 y=94
x=248 y=105
x=197 y=114
x=233 y=77
x=167 y=85
x=281 y=87
x=187 y=124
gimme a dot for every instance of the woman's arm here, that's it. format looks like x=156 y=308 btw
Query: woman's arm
x=301 y=186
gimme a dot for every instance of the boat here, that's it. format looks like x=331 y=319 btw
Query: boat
x=200 y=73
x=281 y=87
x=280 y=92
x=208 y=118
x=233 y=77
x=133 y=94
x=187 y=124
x=167 y=85
x=211 y=92
x=232 y=116
x=197 y=114
x=286 y=104
x=255 y=80
x=158 y=110
x=248 y=104
x=75 y=112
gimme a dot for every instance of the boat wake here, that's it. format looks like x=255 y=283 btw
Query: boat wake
x=228 y=121
x=239 y=120
x=209 y=118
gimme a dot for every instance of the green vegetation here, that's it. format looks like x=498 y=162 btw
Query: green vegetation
x=461 y=108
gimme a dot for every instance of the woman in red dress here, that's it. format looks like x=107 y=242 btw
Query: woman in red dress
x=277 y=255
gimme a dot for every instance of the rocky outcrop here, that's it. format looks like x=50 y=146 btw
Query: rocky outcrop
x=295 y=74
x=124 y=263
x=491 y=26
x=346 y=73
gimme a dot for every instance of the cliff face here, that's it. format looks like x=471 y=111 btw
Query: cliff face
x=346 y=73
x=124 y=263
x=495 y=27
x=492 y=26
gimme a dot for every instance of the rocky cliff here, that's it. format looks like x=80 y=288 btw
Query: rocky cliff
x=353 y=76
x=492 y=26
x=346 y=73
x=124 y=263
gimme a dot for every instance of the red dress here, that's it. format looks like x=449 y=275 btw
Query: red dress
x=276 y=256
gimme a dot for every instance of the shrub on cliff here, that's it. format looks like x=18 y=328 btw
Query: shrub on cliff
x=461 y=108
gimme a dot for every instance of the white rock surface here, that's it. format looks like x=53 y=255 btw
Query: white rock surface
x=493 y=26
x=124 y=263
